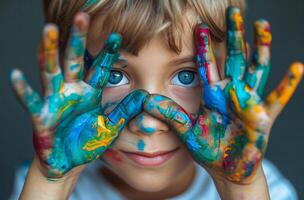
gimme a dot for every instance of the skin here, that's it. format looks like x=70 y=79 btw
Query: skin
x=155 y=77
x=211 y=137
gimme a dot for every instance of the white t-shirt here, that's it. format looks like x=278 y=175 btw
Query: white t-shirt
x=91 y=185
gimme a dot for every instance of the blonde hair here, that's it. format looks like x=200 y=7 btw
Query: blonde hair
x=139 y=20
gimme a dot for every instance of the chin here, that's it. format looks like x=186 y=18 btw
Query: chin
x=149 y=182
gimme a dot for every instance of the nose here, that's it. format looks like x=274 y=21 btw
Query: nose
x=147 y=124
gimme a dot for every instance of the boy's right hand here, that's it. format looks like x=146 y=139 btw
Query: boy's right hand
x=69 y=128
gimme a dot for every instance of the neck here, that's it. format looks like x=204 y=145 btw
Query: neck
x=177 y=186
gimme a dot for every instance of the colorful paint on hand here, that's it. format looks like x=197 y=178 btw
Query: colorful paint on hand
x=257 y=73
x=70 y=126
x=231 y=132
x=105 y=135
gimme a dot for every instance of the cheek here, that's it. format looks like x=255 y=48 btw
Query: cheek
x=188 y=98
x=113 y=155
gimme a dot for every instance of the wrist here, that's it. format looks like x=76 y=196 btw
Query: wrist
x=256 y=188
x=38 y=186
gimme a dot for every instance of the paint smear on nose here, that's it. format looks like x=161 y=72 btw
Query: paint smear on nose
x=142 y=127
x=141 y=145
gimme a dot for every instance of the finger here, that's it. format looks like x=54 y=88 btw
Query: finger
x=170 y=112
x=129 y=107
x=236 y=57
x=27 y=96
x=75 y=52
x=205 y=57
x=257 y=74
x=278 y=98
x=51 y=73
x=213 y=96
x=99 y=73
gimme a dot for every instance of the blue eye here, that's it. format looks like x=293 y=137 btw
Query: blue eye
x=185 y=78
x=117 y=78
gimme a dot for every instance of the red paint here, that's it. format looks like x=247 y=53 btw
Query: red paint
x=202 y=33
x=42 y=142
x=229 y=164
x=205 y=130
x=204 y=127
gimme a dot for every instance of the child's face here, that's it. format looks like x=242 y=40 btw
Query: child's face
x=156 y=69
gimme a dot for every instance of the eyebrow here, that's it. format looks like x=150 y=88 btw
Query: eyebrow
x=122 y=61
x=185 y=59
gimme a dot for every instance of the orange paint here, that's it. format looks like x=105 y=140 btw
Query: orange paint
x=287 y=86
x=103 y=137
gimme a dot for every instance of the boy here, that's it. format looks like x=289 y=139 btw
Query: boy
x=220 y=120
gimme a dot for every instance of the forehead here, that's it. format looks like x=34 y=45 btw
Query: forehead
x=136 y=36
x=155 y=52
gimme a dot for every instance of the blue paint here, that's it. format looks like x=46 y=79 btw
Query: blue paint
x=127 y=108
x=75 y=66
x=56 y=82
x=250 y=168
x=142 y=127
x=158 y=98
x=141 y=145
x=202 y=72
x=260 y=142
x=241 y=93
x=104 y=61
x=214 y=97
x=192 y=143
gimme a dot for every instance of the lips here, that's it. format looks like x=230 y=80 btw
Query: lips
x=150 y=159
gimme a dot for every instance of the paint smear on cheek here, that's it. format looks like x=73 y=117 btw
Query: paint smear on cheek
x=113 y=155
x=141 y=145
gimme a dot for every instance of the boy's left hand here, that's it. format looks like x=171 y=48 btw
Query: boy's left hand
x=230 y=136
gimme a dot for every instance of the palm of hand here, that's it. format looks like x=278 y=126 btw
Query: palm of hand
x=230 y=135
x=69 y=127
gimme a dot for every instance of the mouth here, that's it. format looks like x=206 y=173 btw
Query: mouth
x=153 y=159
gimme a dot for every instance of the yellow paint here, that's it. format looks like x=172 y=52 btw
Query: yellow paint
x=104 y=135
x=252 y=114
x=288 y=85
x=51 y=38
x=237 y=17
x=61 y=88
x=235 y=100
x=225 y=151
x=264 y=37
x=68 y=105
x=51 y=48
x=251 y=134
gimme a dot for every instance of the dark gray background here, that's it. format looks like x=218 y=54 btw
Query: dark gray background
x=21 y=23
